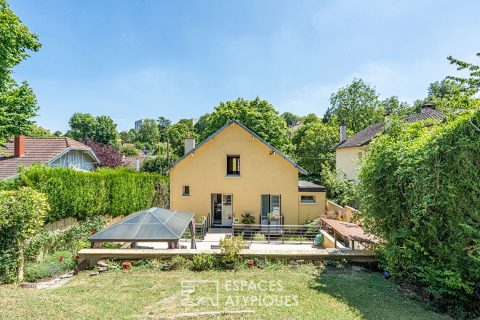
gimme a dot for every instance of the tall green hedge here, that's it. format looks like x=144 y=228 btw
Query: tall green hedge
x=420 y=187
x=80 y=194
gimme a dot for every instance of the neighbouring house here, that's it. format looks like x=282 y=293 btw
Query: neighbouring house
x=350 y=150
x=235 y=172
x=56 y=151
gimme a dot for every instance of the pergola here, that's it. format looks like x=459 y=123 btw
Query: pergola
x=151 y=225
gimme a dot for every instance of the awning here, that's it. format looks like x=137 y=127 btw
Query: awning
x=154 y=224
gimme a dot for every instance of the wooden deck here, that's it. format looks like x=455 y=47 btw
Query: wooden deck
x=89 y=257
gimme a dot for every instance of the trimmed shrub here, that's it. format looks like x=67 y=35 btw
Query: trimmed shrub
x=79 y=194
x=421 y=195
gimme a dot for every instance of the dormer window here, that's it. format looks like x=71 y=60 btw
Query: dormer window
x=233 y=165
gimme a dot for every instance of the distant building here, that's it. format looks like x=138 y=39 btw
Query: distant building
x=138 y=124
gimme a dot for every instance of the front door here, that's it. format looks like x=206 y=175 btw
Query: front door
x=227 y=211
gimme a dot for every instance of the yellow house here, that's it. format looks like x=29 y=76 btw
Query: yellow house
x=235 y=172
x=348 y=152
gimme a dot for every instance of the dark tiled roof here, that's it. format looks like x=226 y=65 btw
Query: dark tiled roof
x=366 y=135
x=37 y=150
x=307 y=186
x=233 y=122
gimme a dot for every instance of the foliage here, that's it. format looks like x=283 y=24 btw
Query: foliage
x=177 y=134
x=203 y=261
x=155 y=164
x=113 y=192
x=419 y=186
x=17 y=102
x=258 y=115
x=51 y=265
x=393 y=106
x=101 y=129
x=163 y=125
x=315 y=144
x=290 y=118
x=129 y=136
x=109 y=156
x=470 y=83
x=36 y=131
x=357 y=104
x=129 y=150
x=231 y=248
x=340 y=191
x=73 y=238
x=148 y=135
x=181 y=263
x=22 y=213
x=259 y=237
x=248 y=218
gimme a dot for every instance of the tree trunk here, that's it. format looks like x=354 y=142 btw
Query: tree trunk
x=20 y=263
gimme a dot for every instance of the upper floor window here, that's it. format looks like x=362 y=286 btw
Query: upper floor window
x=233 y=165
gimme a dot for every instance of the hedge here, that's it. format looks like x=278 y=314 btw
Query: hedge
x=80 y=194
x=420 y=187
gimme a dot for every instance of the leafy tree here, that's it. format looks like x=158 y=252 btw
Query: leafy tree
x=177 y=134
x=315 y=146
x=258 y=115
x=22 y=213
x=201 y=125
x=290 y=118
x=129 y=136
x=57 y=133
x=163 y=125
x=156 y=164
x=84 y=126
x=129 y=150
x=17 y=102
x=109 y=156
x=357 y=104
x=148 y=135
x=393 y=106
x=470 y=83
x=36 y=131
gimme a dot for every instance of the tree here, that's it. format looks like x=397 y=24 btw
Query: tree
x=108 y=155
x=258 y=115
x=471 y=84
x=155 y=164
x=148 y=135
x=315 y=146
x=129 y=136
x=22 y=213
x=177 y=134
x=84 y=126
x=163 y=125
x=393 y=106
x=357 y=104
x=37 y=132
x=201 y=125
x=290 y=118
x=17 y=102
x=57 y=133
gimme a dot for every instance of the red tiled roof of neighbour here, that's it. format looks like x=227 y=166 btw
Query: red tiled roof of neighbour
x=37 y=150
x=366 y=135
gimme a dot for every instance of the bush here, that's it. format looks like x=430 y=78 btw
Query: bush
x=181 y=263
x=52 y=265
x=129 y=150
x=113 y=192
x=22 y=213
x=231 y=249
x=203 y=262
x=420 y=185
x=155 y=164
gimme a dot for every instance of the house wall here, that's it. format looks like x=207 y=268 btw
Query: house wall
x=75 y=159
x=311 y=211
x=261 y=172
x=348 y=162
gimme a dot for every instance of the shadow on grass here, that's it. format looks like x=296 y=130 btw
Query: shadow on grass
x=372 y=296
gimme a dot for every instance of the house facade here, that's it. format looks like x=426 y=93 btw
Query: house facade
x=235 y=172
x=348 y=153
x=58 y=152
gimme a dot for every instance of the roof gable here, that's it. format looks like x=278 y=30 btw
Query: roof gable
x=235 y=122
x=366 y=135
x=38 y=151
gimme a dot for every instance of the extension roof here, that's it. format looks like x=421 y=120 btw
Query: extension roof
x=38 y=150
x=366 y=135
x=154 y=224
x=235 y=122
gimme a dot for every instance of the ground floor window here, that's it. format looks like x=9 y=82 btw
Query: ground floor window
x=186 y=190
x=308 y=199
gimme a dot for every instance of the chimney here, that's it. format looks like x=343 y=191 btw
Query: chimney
x=189 y=144
x=19 y=146
x=427 y=107
x=343 y=131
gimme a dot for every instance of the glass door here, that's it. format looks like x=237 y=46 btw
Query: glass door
x=227 y=211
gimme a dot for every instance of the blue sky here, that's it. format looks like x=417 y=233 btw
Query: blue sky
x=133 y=59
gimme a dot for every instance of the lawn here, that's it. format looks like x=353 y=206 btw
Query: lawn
x=303 y=293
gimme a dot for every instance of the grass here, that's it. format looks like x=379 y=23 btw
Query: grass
x=142 y=294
